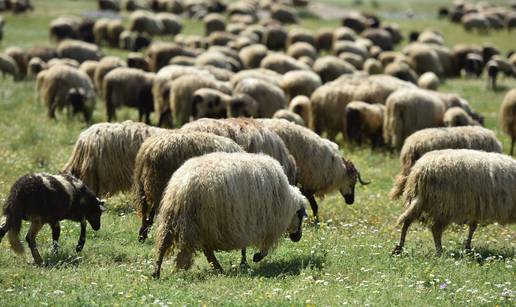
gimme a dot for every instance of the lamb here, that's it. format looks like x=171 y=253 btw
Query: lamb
x=426 y=140
x=254 y=204
x=484 y=194
x=457 y=116
x=8 y=66
x=47 y=199
x=79 y=51
x=130 y=87
x=252 y=136
x=55 y=86
x=289 y=116
x=428 y=81
x=269 y=97
x=157 y=160
x=300 y=82
x=302 y=106
x=323 y=170
x=508 y=116
x=364 y=121
x=104 y=154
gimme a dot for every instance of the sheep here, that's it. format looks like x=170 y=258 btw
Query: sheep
x=112 y=5
x=47 y=199
x=324 y=39
x=113 y=31
x=171 y=23
x=300 y=82
x=133 y=41
x=297 y=35
x=44 y=53
x=492 y=74
x=212 y=103
x=330 y=68
x=270 y=98
x=459 y=186
x=344 y=34
x=213 y=23
x=252 y=136
x=103 y=155
x=284 y=14
x=100 y=30
x=474 y=64
x=380 y=37
x=55 y=88
x=282 y=63
x=364 y=121
x=508 y=116
x=130 y=87
x=160 y=53
x=275 y=38
x=351 y=47
x=426 y=140
x=300 y=49
x=423 y=58
x=20 y=57
x=373 y=66
x=64 y=27
x=138 y=60
x=475 y=21
x=79 y=51
x=146 y=22
x=157 y=160
x=258 y=73
x=457 y=116
x=216 y=59
x=89 y=68
x=251 y=56
x=34 y=66
x=302 y=106
x=323 y=170
x=401 y=70
x=254 y=204
x=428 y=81
x=289 y=116
x=182 y=90
x=68 y=62
x=104 y=66
x=355 y=21
x=8 y=66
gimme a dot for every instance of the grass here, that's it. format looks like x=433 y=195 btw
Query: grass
x=346 y=259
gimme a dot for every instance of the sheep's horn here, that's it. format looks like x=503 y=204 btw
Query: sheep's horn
x=362 y=182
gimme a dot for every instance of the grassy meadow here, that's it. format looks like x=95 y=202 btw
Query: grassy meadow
x=344 y=260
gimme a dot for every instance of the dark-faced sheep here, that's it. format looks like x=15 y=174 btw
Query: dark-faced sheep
x=426 y=140
x=104 y=154
x=157 y=160
x=484 y=194
x=48 y=199
x=508 y=117
x=128 y=87
x=254 y=204
x=364 y=121
x=138 y=60
x=34 y=66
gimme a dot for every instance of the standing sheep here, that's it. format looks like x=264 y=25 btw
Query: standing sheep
x=270 y=98
x=302 y=106
x=48 y=199
x=428 y=81
x=290 y=116
x=248 y=203
x=508 y=116
x=426 y=140
x=364 y=121
x=8 y=66
x=457 y=116
x=157 y=160
x=79 y=51
x=252 y=136
x=322 y=171
x=34 y=66
x=207 y=102
x=146 y=22
x=104 y=154
x=105 y=65
x=300 y=82
x=128 y=87
x=459 y=186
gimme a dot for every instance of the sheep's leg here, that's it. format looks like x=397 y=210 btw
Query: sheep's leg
x=472 y=228
x=162 y=248
x=513 y=139
x=82 y=237
x=313 y=203
x=399 y=248
x=147 y=224
x=4 y=228
x=213 y=260
x=35 y=227
x=437 y=233
x=243 y=259
x=56 y=232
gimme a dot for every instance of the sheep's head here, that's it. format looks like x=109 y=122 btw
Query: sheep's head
x=295 y=229
x=77 y=98
x=242 y=105
x=348 y=189
x=208 y=103
x=93 y=208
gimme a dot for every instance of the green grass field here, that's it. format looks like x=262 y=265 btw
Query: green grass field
x=345 y=260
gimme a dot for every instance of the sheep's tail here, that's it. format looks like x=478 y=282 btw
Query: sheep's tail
x=13 y=227
x=399 y=186
x=164 y=235
x=411 y=212
x=140 y=199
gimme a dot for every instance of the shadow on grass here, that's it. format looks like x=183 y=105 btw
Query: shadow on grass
x=290 y=266
x=63 y=259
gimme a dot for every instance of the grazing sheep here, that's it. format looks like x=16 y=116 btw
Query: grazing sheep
x=297 y=35
x=492 y=74
x=34 y=66
x=113 y=31
x=181 y=93
x=160 y=54
x=270 y=98
x=373 y=66
x=300 y=82
x=207 y=102
x=8 y=66
x=128 y=87
x=171 y=23
x=459 y=186
x=79 y=51
x=380 y=37
x=323 y=170
x=89 y=68
x=251 y=56
x=55 y=88
x=44 y=53
x=364 y=121
x=402 y=71
x=157 y=160
x=508 y=116
x=48 y=199
x=213 y=23
x=410 y=110
x=133 y=41
x=104 y=154
x=457 y=116
x=330 y=68
x=258 y=73
x=138 y=60
x=284 y=14
x=324 y=39
x=302 y=106
x=282 y=63
x=64 y=27
x=300 y=49
x=426 y=140
x=145 y=22
x=476 y=22
x=251 y=135
x=100 y=30
x=423 y=58
x=105 y=65
x=68 y=62
x=289 y=116
x=20 y=57
x=249 y=203
x=275 y=38
x=428 y=81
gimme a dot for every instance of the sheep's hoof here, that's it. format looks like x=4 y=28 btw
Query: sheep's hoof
x=79 y=248
x=155 y=274
x=397 y=250
x=142 y=238
x=244 y=266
